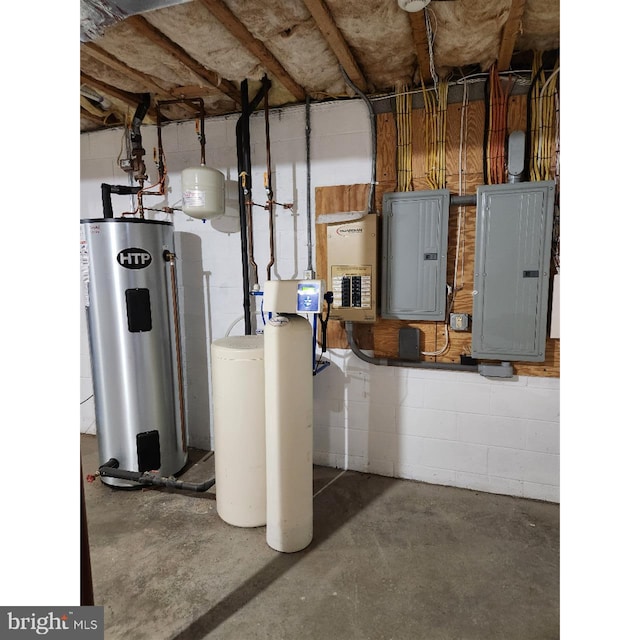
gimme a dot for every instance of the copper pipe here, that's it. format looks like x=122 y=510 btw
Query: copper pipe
x=171 y=258
x=248 y=204
x=200 y=102
x=252 y=261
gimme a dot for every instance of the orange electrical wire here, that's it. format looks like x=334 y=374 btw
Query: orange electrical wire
x=498 y=113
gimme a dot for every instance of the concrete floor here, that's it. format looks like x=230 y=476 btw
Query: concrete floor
x=390 y=559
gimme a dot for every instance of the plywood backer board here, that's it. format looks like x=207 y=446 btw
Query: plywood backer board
x=464 y=173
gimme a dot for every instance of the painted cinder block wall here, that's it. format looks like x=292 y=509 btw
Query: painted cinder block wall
x=452 y=428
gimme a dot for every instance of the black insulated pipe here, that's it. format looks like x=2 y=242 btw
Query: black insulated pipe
x=243 y=152
x=463 y=201
x=138 y=117
x=242 y=143
x=110 y=469
x=118 y=189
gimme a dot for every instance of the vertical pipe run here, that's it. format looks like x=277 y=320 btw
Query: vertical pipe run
x=171 y=259
x=201 y=114
x=243 y=153
x=268 y=186
x=374 y=136
x=249 y=216
x=307 y=131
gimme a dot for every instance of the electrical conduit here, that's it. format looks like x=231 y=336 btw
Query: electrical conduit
x=394 y=362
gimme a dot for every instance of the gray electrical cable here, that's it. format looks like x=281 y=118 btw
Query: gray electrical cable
x=374 y=135
x=392 y=362
x=308 y=142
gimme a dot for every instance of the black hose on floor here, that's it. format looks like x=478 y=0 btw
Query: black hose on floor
x=110 y=469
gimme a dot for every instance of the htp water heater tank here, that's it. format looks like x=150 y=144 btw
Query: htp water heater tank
x=128 y=288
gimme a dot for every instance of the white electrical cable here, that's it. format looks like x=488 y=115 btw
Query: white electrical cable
x=233 y=324
x=446 y=343
x=319 y=491
x=473 y=78
x=430 y=38
x=544 y=86
x=446 y=329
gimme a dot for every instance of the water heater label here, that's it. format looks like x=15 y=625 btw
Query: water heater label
x=84 y=266
x=134 y=258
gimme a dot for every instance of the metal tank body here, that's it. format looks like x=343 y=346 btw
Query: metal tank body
x=132 y=341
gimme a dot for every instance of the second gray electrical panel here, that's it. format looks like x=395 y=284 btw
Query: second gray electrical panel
x=415 y=231
x=511 y=273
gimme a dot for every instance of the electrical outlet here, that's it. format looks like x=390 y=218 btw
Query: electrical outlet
x=459 y=321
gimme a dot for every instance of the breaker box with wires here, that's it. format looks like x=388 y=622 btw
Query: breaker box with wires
x=511 y=272
x=415 y=232
x=352 y=269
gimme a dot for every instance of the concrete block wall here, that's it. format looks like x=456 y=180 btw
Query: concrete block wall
x=450 y=428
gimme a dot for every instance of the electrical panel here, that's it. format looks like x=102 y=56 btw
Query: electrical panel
x=415 y=232
x=511 y=273
x=352 y=250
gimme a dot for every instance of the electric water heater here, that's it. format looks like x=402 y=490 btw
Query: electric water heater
x=130 y=291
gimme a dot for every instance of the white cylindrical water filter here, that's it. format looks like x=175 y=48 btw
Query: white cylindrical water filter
x=237 y=371
x=289 y=432
x=202 y=192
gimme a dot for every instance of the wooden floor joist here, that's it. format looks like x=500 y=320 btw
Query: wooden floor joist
x=227 y=18
x=146 y=29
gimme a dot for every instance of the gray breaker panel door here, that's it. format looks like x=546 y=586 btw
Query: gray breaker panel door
x=511 y=273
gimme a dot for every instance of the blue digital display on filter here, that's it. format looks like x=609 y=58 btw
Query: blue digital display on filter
x=309 y=297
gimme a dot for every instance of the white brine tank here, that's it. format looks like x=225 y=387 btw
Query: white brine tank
x=237 y=371
x=202 y=192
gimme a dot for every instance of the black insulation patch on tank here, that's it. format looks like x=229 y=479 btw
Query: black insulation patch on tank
x=138 y=310
x=148 y=445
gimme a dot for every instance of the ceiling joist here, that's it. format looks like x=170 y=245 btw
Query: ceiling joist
x=191 y=91
x=510 y=32
x=224 y=15
x=106 y=58
x=329 y=29
x=158 y=38
x=421 y=44
x=109 y=119
x=130 y=99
